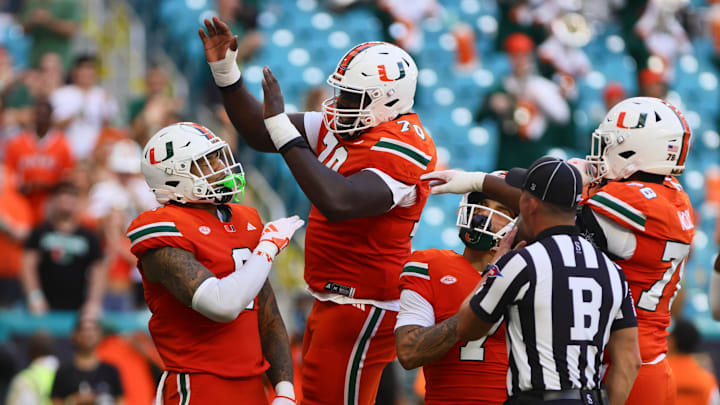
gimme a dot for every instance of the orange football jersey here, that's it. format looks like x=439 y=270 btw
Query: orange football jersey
x=661 y=218
x=187 y=341
x=470 y=372
x=362 y=258
x=38 y=162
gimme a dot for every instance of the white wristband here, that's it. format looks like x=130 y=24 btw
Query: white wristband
x=281 y=130
x=267 y=247
x=285 y=389
x=225 y=71
x=478 y=180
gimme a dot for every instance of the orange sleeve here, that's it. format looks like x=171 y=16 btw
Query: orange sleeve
x=401 y=157
x=415 y=275
x=153 y=230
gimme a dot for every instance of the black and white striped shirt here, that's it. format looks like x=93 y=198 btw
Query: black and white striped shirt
x=561 y=298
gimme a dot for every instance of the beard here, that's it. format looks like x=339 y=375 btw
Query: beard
x=523 y=231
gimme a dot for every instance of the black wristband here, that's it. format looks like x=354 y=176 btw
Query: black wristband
x=231 y=88
x=299 y=141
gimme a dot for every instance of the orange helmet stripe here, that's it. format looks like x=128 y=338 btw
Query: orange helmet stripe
x=342 y=67
x=686 y=134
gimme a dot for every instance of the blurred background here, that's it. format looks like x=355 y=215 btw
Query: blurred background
x=85 y=83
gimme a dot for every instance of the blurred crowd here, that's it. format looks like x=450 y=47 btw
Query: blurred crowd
x=70 y=178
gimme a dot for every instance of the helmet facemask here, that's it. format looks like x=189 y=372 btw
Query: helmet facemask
x=596 y=158
x=349 y=123
x=220 y=184
x=476 y=223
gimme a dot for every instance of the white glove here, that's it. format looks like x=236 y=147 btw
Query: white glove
x=454 y=181
x=585 y=168
x=276 y=234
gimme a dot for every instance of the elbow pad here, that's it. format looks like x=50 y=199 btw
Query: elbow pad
x=222 y=299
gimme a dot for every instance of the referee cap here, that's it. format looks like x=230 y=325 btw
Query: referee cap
x=550 y=179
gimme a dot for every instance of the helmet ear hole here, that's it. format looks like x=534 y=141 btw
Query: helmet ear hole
x=627 y=154
x=392 y=103
x=172 y=183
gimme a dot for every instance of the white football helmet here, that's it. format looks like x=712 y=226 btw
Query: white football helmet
x=383 y=76
x=640 y=134
x=475 y=221
x=179 y=164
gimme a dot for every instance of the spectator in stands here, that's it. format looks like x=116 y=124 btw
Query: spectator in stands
x=114 y=202
x=652 y=83
x=32 y=385
x=51 y=24
x=156 y=109
x=83 y=108
x=614 y=93
x=52 y=72
x=695 y=385
x=241 y=16
x=663 y=35
x=62 y=266
x=86 y=380
x=39 y=158
x=314 y=98
x=405 y=29
x=15 y=225
x=124 y=188
x=525 y=105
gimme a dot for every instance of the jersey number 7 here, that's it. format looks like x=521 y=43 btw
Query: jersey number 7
x=675 y=253
x=474 y=350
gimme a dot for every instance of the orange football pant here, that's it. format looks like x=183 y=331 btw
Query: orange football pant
x=345 y=350
x=182 y=389
x=655 y=384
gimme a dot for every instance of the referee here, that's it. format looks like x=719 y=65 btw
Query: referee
x=565 y=303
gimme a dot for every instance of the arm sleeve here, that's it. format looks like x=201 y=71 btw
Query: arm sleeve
x=313 y=122
x=499 y=292
x=414 y=310
x=403 y=195
x=626 y=317
x=223 y=299
x=606 y=234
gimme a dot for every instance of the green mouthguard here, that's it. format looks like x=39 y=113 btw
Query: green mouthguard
x=233 y=180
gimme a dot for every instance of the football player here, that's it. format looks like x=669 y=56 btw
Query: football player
x=204 y=265
x=639 y=214
x=359 y=162
x=434 y=283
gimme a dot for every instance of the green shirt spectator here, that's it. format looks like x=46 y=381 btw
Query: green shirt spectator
x=52 y=25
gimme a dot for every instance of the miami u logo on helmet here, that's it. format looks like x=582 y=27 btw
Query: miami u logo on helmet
x=169 y=152
x=383 y=72
x=640 y=124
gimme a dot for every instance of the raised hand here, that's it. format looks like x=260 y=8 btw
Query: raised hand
x=279 y=231
x=273 y=103
x=217 y=40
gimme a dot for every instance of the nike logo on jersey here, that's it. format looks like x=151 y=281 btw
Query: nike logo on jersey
x=250 y=227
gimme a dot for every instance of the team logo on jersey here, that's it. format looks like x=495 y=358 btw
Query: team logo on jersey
x=204 y=230
x=383 y=73
x=448 y=280
x=250 y=227
x=230 y=228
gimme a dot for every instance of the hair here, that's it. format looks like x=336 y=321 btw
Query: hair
x=40 y=344
x=86 y=58
x=687 y=338
x=65 y=186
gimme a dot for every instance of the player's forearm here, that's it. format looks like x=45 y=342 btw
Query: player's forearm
x=417 y=346
x=497 y=189
x=97 y=281
x=619 y=381
x=336 y=196
x=246 y=113
x=274 y=337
